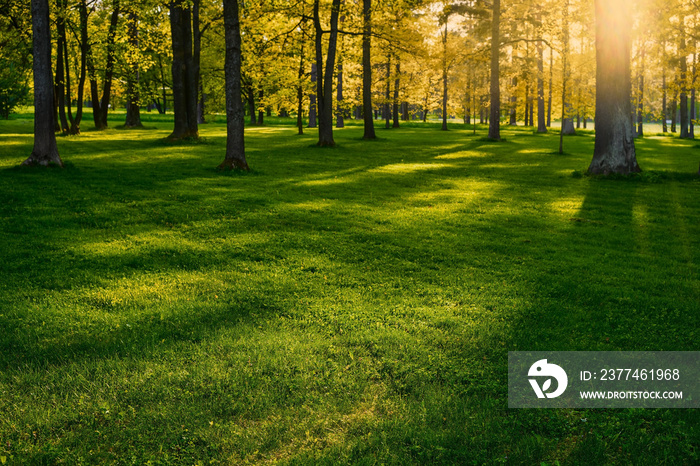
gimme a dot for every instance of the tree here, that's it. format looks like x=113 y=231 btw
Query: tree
x=100 y=107
x=495 y=118
x=184 y=73
x=367 y=70
x=133 y=104
x=324 y=82
x=235 y=143
x=45 y=151
x=614 y=141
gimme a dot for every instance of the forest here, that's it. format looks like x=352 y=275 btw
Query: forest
x=321 y=231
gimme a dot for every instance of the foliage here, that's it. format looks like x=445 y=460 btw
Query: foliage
x=13 y=87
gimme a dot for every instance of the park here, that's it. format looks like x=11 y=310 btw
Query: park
x=325 y=297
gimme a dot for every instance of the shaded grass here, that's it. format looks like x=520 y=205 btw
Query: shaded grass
x=345 y=306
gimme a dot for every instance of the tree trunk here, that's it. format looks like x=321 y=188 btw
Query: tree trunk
x=339 y=119
x=133 y=110
x=324 y=84
x=494 y=124
x=235 y=143
x=60 y=71
x=397 y=85
x=45 y=151
x=691 y=131
x=367 y=70
x=664 y=109
x=551 y=86
x=674 y=111
x=300 y=87
x=387 y=94
x=82 y=8
x=444 y=76
x=683 y=62
x=261 y=114
x=109 y=69
x=183 y=70
x=312 y=97
x=68 y=100
x=567 y=122
x=514 y=101
x=196 y=61
x=614 y=142
x=640 y=103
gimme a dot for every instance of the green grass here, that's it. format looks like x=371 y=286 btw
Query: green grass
x=352 y=305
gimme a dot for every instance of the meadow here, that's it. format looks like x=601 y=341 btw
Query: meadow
x=352 y=305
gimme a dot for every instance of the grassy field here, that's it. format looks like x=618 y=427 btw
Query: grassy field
x=352 y=305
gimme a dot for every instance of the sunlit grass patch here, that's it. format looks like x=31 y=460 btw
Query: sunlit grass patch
x=345 y=306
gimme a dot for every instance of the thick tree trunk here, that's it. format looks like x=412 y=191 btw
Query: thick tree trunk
x=183 y=71
x=495 y=119
x=235 y=143
x=45 y=151
x=133 y=109
x=324 y=84
x=367 y=70
x=614 y=142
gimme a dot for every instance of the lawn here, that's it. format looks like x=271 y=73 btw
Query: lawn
x=352 y=305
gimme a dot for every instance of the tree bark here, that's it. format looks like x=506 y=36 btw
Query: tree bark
x=313 y=106
x=109 y=69
x=324 y=84
x=261 y=109
x=614 y=142
x=551 y=86
x=339 y=119
x=45 y=151
x=300 y=87
x=664 y=104
x=567 y=122
x=387 y=94
x=367 y=70
x=235 y=143
x=495 y=119
x=82 y=9
x=183 y=71
x=444 y=75
x=60 y=85
x=691 y=130
x=640 y=103
x=133 y=109
x=397 y=85
x=683 y=62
